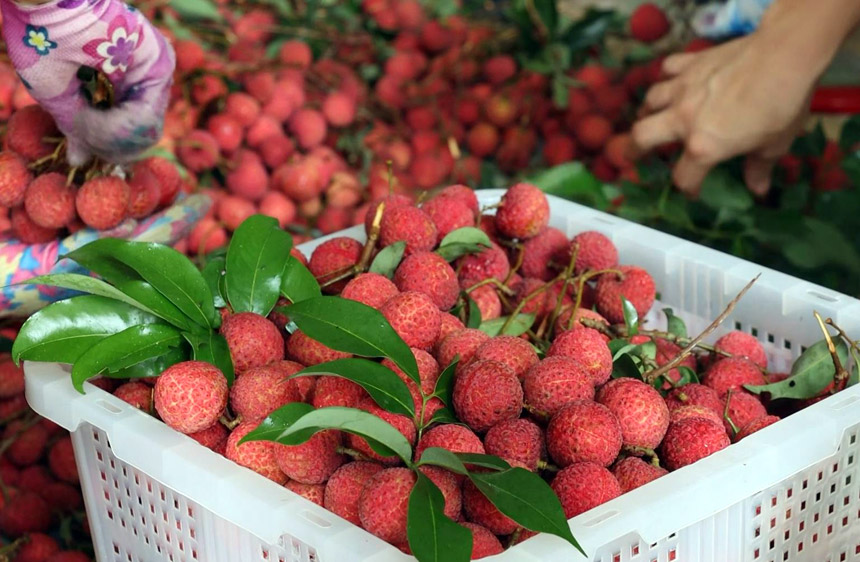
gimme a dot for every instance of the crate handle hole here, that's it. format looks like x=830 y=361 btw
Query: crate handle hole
x=316 y=519
x=822 y=296
x=601 y=518
x=847 y=402
x=109 y=407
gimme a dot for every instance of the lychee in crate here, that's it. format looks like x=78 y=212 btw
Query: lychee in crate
x=787 y=492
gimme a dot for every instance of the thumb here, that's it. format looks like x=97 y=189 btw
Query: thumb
x=757 y=172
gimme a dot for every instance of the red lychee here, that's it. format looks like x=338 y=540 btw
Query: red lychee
x=408 y=224
x=252 y=339
x=402 y=423
x=190 y=396
x=648 y=23
x=25 y=512
x=486 y=393
x=309 y=127
x=144 y=193
x=742 y=409
x=242 y=107
x=454 y=438
x=38 y=548
x=383 y=504
x=463 y=343
x=27 y=130
x=633 y=472
x=312 y=492
x=343 y=489
x=102 y=203
x=555 y=382
x=415 y=318
x=14 y=179
x=137 y=394
x=199 y=151
x=213 y=437
x=539 y=253
x=336 y=391
x=584 y=431
x=587 y=347
x=332 y=257
x=448 y=214
x=756 y=425
x=683 y=412
x=261 y=390
x=484 y=542
x=595 y=252
x=489 y=263
x=558 y=149
x=695 y=394
x=516 y=353
x=28 y=232
x=11 y=377
x=692 y=439
x=519 y=442
x=259 y=456
x=371 y=289
x=592 y=131
x=308 y=351
x=641 y=411
x=583 y=486
x=314 y=461
x=480 y=510
x=732 y=373
x=339 y=109
x=636 y=285
x=741 y=344
x=248 y=179
x=523 y=211
x=482 y=139
x=279 y=207
x=429 y=273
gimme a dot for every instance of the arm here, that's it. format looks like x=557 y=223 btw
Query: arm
x=748 y=96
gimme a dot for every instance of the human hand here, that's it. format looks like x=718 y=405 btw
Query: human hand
x=19 y=261
x=59 y=46
x=737 y=98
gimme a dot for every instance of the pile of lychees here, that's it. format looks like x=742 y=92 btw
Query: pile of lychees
x=41 y=199
x=543 y=399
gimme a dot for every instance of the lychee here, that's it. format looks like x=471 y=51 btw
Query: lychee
x=259 y=456
x=26 y=444
x=11 y=377
x=168 y=177
x=402 y=423
x=227 y=131
x=243 y=108
x=635 y=284
x=199 y=151
x=339 y=109
x=252 y=339
x=25 y=512
x=137 y=394
x=38 y=548
x=454 y=438
x=262 y=390
x=429 y=273
x=248 y=178
x=683 y=412
x=27 y=130
x=553 y=383
x=595 y=252
x=558 y=149
x=449 y=484
x=593 y=130
x=641 y=411
x=489 y=263
x=383 y=504
x=391 y=201
x=648 y=23
x=517 y=441
x=332 y=257
x=480 y=510
x=314 y=461
x=587 y=347
x=690 y=440
x=583 y=486
x=742 y=409
x=371 y=289
x=463 y=194
x=343 y=489
x=213 y=437
x=190 y=396
x=415 y=318
x=308 y=351
x=540 y=251
x=732 y=373
x=144 y=193
x=633 y=472
x=486 y=393
x=278 y=206
x=102 y=203
x=482 y=139
x=14 y=179
x=448 y=214
x=408 y=224
x=312 y=492
x=28 y=232
x=523 y=211
x=309 y=127
x=463 y=343
x=584 y=431
x=741 y=344
x=331 y=390
x=695 y=394
x=756 y=425
x=500 y=68
x=428 y=373
x=484 y=542
x=516 y=353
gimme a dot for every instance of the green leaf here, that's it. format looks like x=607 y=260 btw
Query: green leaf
x=444 y=389
x=64 y=330
x=810 y=374
x=196 y=9
x=146 y=294
x=256 y=259
x=86 y=284
x=443 y=415
x=560 y=92
x=465 y=240
x=625 y=366
x=444 y=458
x=820 y=243
x=518 y=326
x=674 y=324
x=382 y=437
x=631 y=317
x=213 y=273
x=574 y=182
x=124 y=349
x=433 y=537
x=810 y=144
x=271 y=428
x=473 y=313
x=352 y=327
x=688 y=376
x=722 y=191
x=299 y=284
x=212 y=348
x=168 y=271
x=491 y=462
x=591 y=29
x=388 y=258
x=795 y=197
x=849 y=137
x=384 y=386
x=153 y=366
x=527 y=499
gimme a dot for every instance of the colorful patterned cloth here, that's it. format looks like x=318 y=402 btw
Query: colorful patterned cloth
x=48 y=44
x=19 y=262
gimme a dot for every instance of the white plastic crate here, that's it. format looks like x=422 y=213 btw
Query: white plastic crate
x=789 y=492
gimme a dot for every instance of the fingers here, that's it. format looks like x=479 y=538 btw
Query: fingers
x=662 y=128
x=757 y=173
x=678 y=63
x=661 y=95
x=700 y=155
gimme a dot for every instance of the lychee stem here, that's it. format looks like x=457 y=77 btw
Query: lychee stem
x=568 y=271
x=535 y=412
x=521 y=254
x=633 y=451
x=353 y=453
x=515 y=536
x=52 y=157
x=841 y=375
x=362 y=264
x=230 y=424
x=11 y=548
x=726 y=413
x=549 y=467
x=582 y=280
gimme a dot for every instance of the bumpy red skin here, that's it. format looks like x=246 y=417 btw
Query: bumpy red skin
x=168 y=176
x=487 y=393
x=144 y=193
x=549 y=245
x=666 y=352
x=312 y=492
x=756 y=425
x=520 y=442
x=61 y=459
x=262 y=390
x=462 y=194
x=584 y=431
x=695 y=394
x=684 y=412
x=641 y=411
x=371 y=289
x=484 y=542
x=314 y=461
x=489 y=304
x=523 y=213
x=514 y=352
x=102 y=203
x=429 y=273
x=455 y=438
x=28 y=232
x=741 y=344
x=555 y=382
x=336 y=391
x=402 y=423
x=563 y=319
x=463 y=343
x=26 y=130
x=415 y=318
x=637 y=287
x=595 y=252
x=137 y=394
x=343 y=489
x=588 y=347
x=428 y=372
x=583 y=486
x=448 y=214
x=690 y=440
x=259 y=456
x=49 y=201
x=490 y=263
x=408 y=224
x=391 y=202
x=213 y=437
x=633 y=472
x=383 y=505
x=308 y=351
x=38 y=548
x=480 y=510
x=11 y=378
x=25 y=512
x=253 y=340
x=744 y=409
x=732 y=373
x=332 y=256
x=449 y=485
x=190 y=396
x=14 y=179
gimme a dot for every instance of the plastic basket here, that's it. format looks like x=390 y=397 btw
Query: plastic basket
x=788 y=492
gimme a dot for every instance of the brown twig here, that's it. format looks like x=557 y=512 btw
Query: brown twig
x=652 y=375
x=841 y=374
